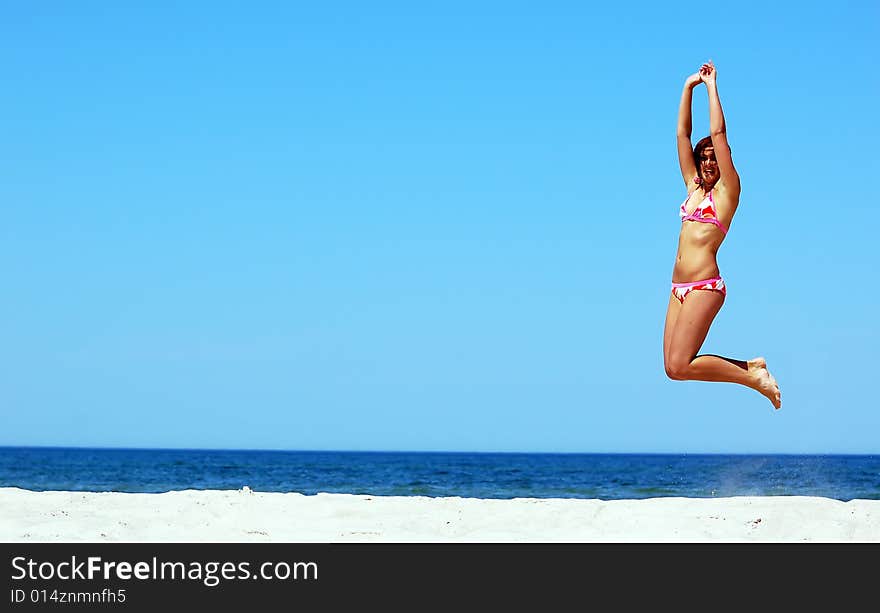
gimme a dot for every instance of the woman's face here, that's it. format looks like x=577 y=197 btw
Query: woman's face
x=708 y=166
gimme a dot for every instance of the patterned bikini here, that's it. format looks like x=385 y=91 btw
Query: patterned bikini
x=704 y=213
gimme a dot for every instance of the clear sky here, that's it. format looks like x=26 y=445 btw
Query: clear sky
x=428 y=226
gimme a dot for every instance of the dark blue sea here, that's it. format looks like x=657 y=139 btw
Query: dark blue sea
x=470 y=475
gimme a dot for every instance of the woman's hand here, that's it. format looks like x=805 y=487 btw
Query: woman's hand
x=693 y=80
x=707 y=73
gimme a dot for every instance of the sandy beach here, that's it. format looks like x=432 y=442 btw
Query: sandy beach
x=247 y=516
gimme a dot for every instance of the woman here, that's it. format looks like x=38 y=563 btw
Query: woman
x=698 y=290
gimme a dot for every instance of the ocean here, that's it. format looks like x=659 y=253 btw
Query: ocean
x=469 y=475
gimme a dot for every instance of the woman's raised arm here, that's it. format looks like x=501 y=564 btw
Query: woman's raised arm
x=718 y=131
x=683 y=132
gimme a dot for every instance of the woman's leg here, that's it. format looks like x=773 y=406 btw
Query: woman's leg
x=671 y=315
x=686 y=329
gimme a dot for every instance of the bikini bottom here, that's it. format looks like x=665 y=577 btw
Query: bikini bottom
x=681 y=290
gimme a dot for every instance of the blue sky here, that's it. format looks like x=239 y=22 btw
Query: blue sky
x=428 y=226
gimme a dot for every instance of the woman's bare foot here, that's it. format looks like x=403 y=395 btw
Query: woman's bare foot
x=764 y=382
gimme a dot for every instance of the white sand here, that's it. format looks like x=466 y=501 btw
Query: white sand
x=243 y=515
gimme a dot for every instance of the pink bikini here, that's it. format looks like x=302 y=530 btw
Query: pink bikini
x=704 y=213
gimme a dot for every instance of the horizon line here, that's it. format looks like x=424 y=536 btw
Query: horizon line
x=436 y=451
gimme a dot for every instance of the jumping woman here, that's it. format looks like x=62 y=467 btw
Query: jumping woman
x=697 y=287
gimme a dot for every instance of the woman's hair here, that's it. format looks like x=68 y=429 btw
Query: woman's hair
x=698 y=150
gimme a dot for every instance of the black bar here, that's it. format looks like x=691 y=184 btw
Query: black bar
x=370 y=576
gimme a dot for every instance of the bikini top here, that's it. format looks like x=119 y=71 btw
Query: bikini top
x=705 y=212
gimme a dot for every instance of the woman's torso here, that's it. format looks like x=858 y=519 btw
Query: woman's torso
x=699 y=240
